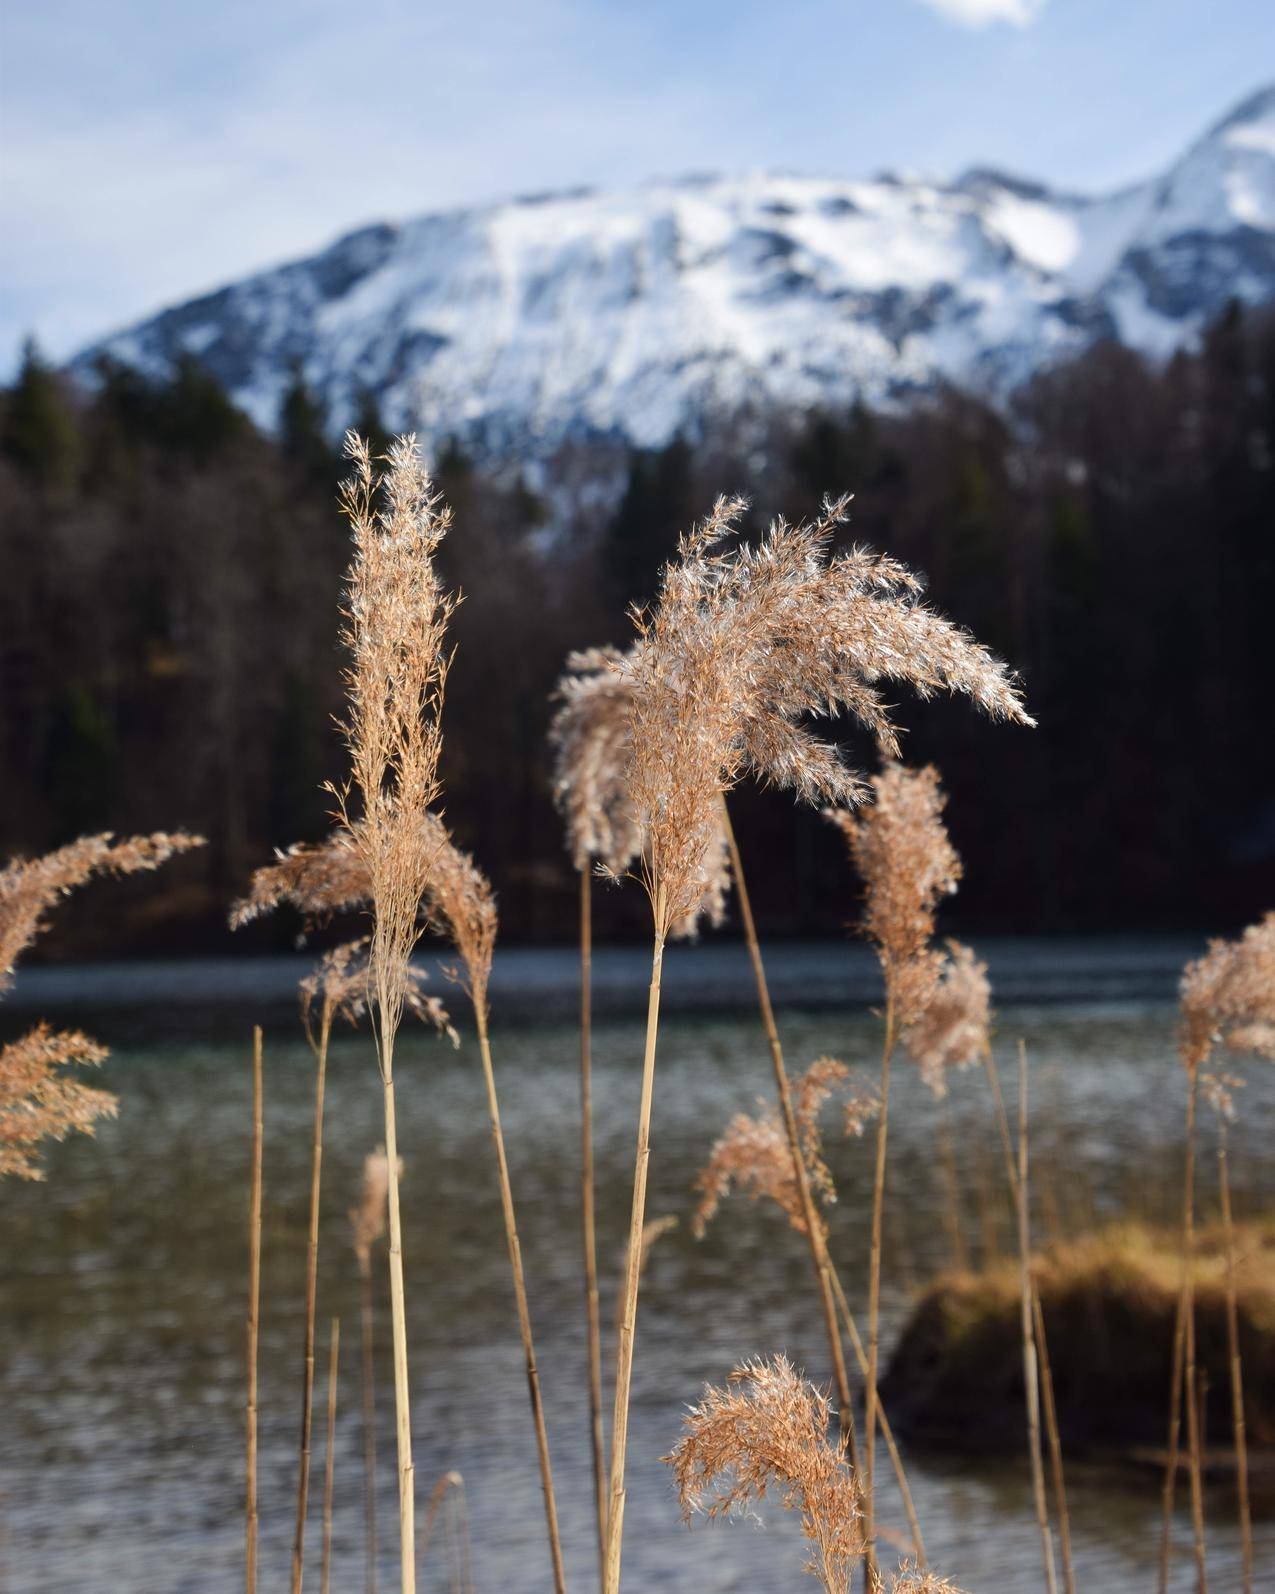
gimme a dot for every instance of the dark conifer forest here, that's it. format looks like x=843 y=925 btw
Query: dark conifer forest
x=169 y=656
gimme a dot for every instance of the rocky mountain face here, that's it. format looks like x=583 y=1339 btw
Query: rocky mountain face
x=633 y=315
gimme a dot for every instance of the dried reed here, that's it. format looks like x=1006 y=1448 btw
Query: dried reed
x=755 y=1155
x=1031 y=1374
x=901 y=849
x=461 y=907
x=1227 y=996
x=254 y=1314
x=1045 y=1374
x=738 y=648
x=37 y=1103
x=767 y=1432
x=395 y=618
x=1219 y=1092
x=367 y=1225
x=450 y=1489
x=329 y=1460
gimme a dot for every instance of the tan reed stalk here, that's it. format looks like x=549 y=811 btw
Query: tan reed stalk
x=461 y=906
x=874 y=1281
x=1031 y=1377
x=588 y=1229
x=737 y=649
x=1237 y=1375
x=254 y=1312
x=1190 y=1392
x=320 y=1049
x=814 y=1226
x=632 y=1271
x=1057 y=1476
x=369 y=1428
x=520 y=1299
x=398 y=1318
x=329 y=1460
x=887 y=1433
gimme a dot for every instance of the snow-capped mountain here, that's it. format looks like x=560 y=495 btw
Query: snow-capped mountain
x=634 y=314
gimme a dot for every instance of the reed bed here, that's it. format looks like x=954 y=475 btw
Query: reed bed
x=747 y=642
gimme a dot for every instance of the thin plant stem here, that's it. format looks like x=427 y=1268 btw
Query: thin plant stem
x=1057 y=1475
x=874 y=1283
x=369 y=1427
x=629 y=1297
x=1189 y=1389
x=815 y=1235
x=1031 y=1378
x=320 y=1048
x=520 y=1298
x=588 y=1230
x=329 y=1460
x=254 y=1315
x=887 y=1433
x=1237 y=1375
x=398 y=1315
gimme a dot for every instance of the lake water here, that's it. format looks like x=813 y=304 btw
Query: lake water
x=122 y=1290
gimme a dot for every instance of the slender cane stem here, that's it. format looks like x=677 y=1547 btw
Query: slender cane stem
x=874 y=1282
x=887 y=1434
x=1031 y=1378
x=311 y=1290
x=1057 y=1477
x=329 y=1460
x=254 y=1314
x=629 y=1298
x=588 y=1232
x=398 y=1315
x=1189 y=1389
x=369 y=1427
x=1237 y=1375
x=520 y=1297
x=815 y=1234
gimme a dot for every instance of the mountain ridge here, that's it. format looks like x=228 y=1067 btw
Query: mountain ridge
x=638 y=313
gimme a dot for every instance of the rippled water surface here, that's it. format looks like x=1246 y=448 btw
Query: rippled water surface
x=122 y=1290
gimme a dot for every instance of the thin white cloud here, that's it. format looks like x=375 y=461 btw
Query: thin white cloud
x=981 y=13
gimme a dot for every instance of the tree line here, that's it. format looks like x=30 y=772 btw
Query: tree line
x=169 y=656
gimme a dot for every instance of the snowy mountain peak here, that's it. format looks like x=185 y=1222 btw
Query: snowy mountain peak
x=637 y=313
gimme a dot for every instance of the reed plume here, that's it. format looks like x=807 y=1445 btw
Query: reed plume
x=30 y=887
x=395 y=618
x=460 y=906
x=1226 y=997
x=901 y=849
x=766 y=1434
x=740 y=646
x=754 y=1155
x=37 y=1102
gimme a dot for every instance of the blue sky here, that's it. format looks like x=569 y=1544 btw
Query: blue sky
x=150 y=151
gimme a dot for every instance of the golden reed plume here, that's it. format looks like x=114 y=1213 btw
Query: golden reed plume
x=766 y=1435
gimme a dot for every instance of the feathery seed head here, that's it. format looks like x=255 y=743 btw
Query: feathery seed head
x=395 y=621
x=1228 y=995
x=952 y=1030
x=901 y=849
x=767 y=1433
x=367 y=1220
x=339 y=986
x=741 y=646
x=37 y=1103
x=30 y=887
